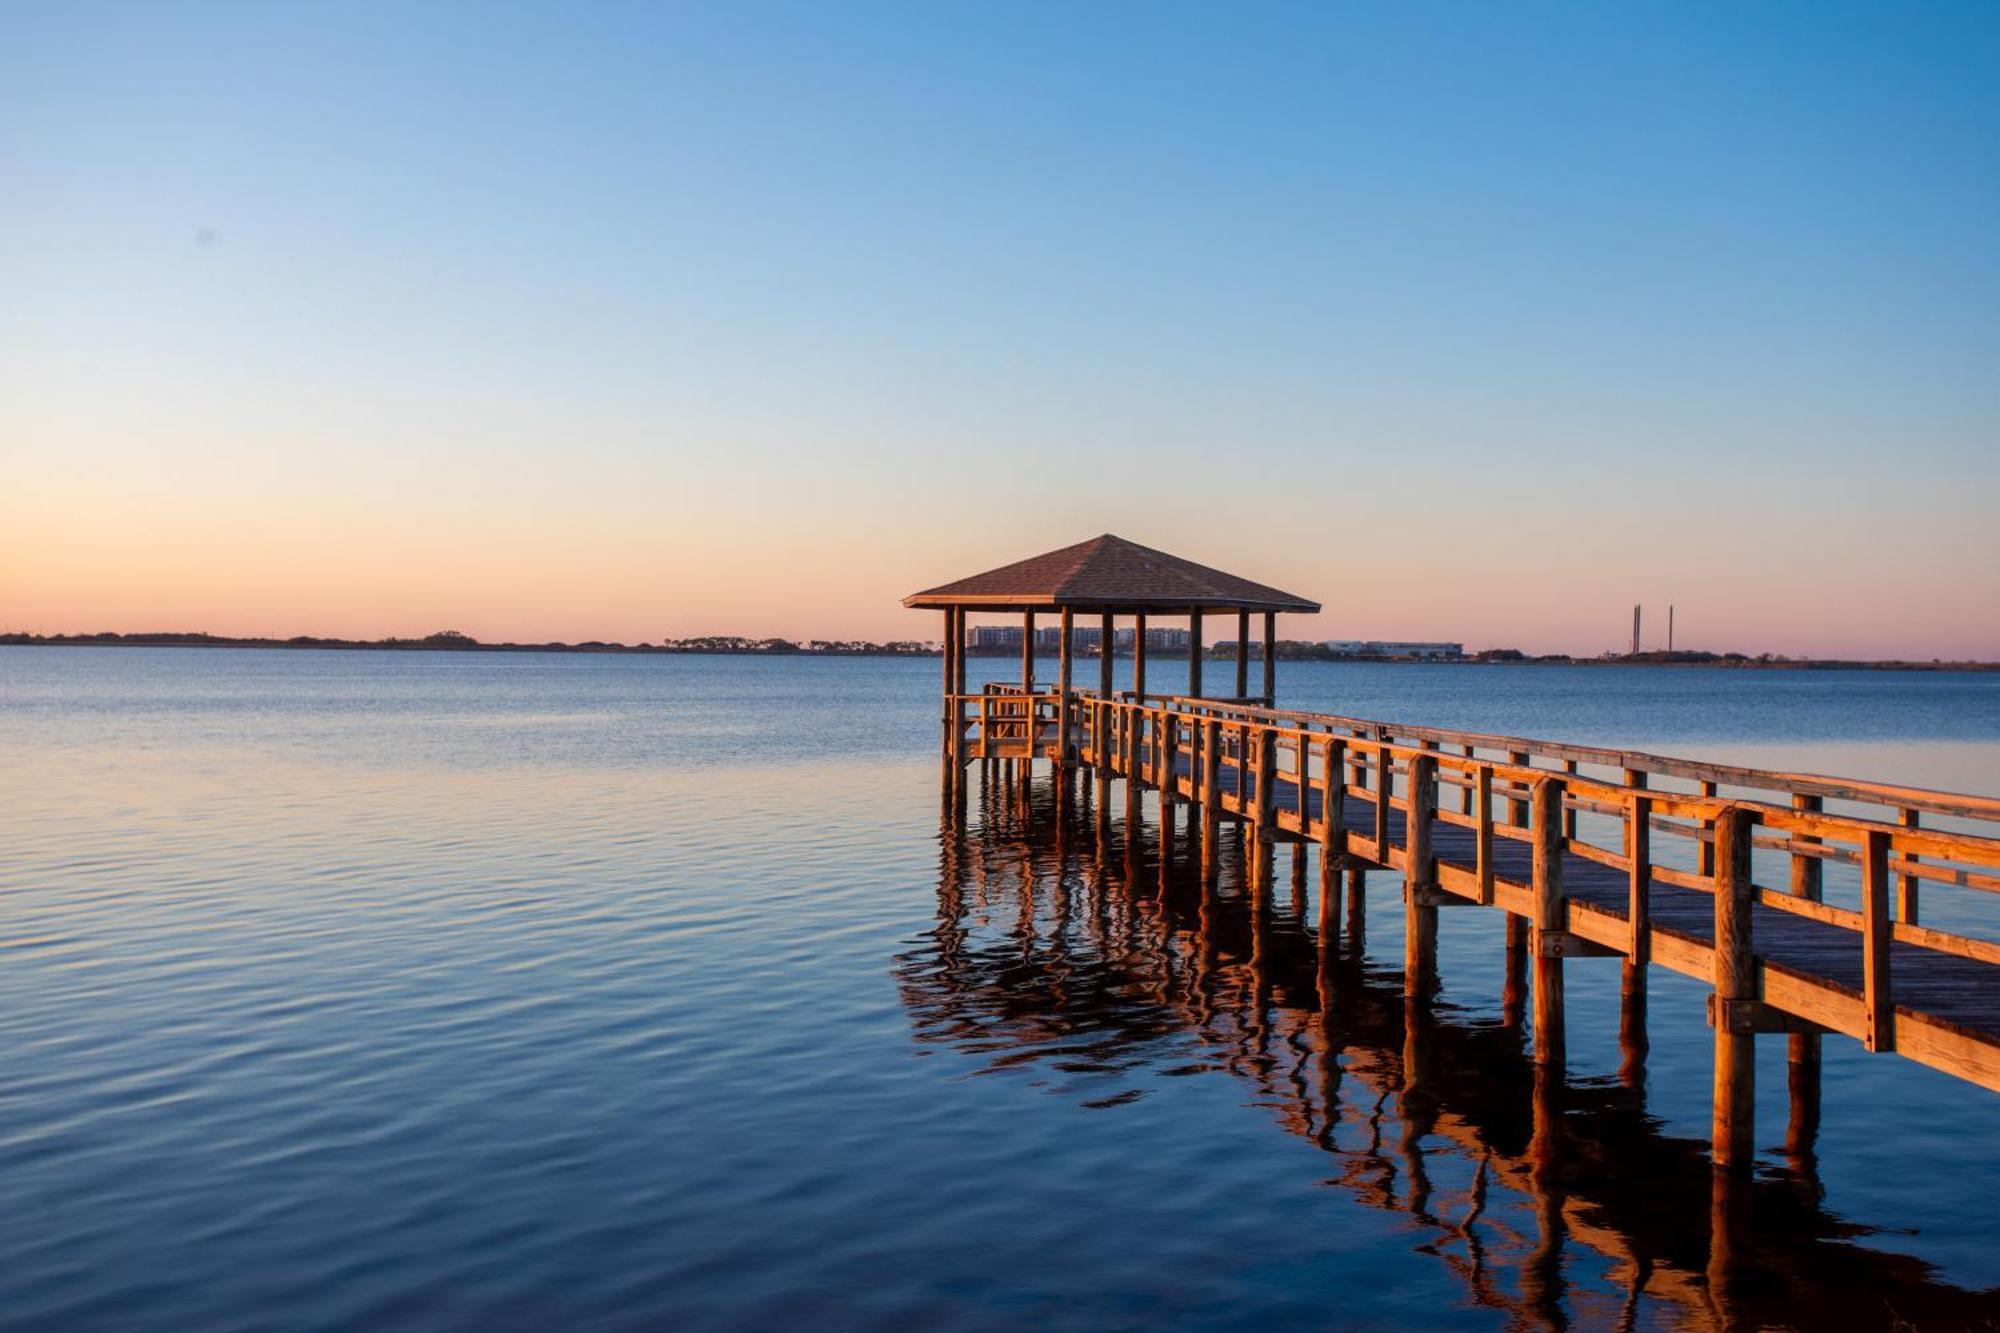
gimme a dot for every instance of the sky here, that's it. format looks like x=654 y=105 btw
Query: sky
x=1472 y=322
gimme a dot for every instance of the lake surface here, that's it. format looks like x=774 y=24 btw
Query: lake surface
x=416 y=990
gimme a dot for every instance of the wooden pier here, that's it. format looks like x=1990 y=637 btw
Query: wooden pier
x=1796 y=898
x=1082 y=945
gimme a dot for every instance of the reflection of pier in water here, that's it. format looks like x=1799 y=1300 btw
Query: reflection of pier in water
x=1102 y=949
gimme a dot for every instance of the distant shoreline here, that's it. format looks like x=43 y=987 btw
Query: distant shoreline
x=1290 y=651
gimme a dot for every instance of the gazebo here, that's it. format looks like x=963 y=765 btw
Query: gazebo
x=1108 y=577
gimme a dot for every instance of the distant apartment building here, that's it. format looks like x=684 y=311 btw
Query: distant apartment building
x=1084 y=639
x=995 y=639
x=1409 y=651
x=1049 y=639
x=1161 y=640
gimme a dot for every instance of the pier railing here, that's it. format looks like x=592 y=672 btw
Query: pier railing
x=1652 y=858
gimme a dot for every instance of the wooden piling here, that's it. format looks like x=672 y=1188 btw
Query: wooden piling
x=1211 y=797
x=1139 y=657
x=1062 y=690
x=1194 y=652
x=1550 y=921
x=1735 y=982
x=1242 y=654
x=1270 y=658
x=1332 y=842
x=1419 y=879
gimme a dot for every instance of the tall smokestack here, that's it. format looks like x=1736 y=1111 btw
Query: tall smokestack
x=1635 y=631
x=1670 y=626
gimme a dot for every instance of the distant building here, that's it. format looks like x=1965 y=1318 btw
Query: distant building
x=1410 y=651
x=1084 y=640
x=1048 y=639
x=1163 y=640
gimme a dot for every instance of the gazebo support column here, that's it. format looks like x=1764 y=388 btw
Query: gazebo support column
x=951 y=712
x=1139 y=656
x=1194 y=652
x=1270 y=658
x=1062 y=690
x=1242 y=654
x=1028 y=689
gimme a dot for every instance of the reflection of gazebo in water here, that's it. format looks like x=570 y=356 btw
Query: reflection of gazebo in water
x=1108 y=577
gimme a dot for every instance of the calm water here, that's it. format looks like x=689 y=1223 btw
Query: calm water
x=356 y=990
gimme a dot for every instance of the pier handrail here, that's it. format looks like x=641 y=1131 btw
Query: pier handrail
x=1958 y=804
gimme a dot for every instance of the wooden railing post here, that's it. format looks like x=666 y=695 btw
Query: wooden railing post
x=1705 y=853
x=1906 y=885
x=1569 y=814
x=1551 y=919
x=1639 y=853
x=1062 y=689
x=1734 y=1143
x=1385 y=786
x=1465 y=792
x=1878 y=1000
x=1332 y=840
x=1267 y=782
x=1419 y=878
x=1211 y=794
x=1482 y=864
x=1802 y=1049
x=1169 y=766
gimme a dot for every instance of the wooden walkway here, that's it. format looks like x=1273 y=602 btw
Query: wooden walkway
x=1590 y=852
x=1336 y=1050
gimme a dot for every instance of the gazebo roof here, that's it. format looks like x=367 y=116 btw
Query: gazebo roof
x=1108 y=574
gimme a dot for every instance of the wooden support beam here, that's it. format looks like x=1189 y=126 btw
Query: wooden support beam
x=1753 y=1016
x=1481 y=789
x=1139 y=657
x=1062 y=688
x=1211 y=799
x=1569 y=944
x=1878 y=1000
x=1906 y=885
x=1242 y=654
x=1735 y=980
x=1027 y=652
x=1270 y=658
x=1384 y=791
x=1419 y=879
x=1104 y=654
x=950 y=679
x=1551 y=917
x=1194 y=652
x=1639 y=884
x=1332 y=840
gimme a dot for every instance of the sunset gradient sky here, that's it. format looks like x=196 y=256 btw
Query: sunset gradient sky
x=1475 y=322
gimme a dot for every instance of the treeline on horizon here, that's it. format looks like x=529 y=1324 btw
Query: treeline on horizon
x=1291 y=650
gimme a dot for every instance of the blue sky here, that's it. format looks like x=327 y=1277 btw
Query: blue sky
x=1474 y=321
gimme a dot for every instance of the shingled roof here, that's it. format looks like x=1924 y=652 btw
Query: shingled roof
x=1108 y=574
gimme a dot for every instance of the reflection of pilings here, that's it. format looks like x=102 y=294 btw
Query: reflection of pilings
x=1632 y=1041
x=1323 y=1036
x=1542 y=1284
x=1514 y=985
x=1729 y=1217
x=1802 y=1128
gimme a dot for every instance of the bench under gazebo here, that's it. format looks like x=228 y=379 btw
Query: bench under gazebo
x=1104 y=578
